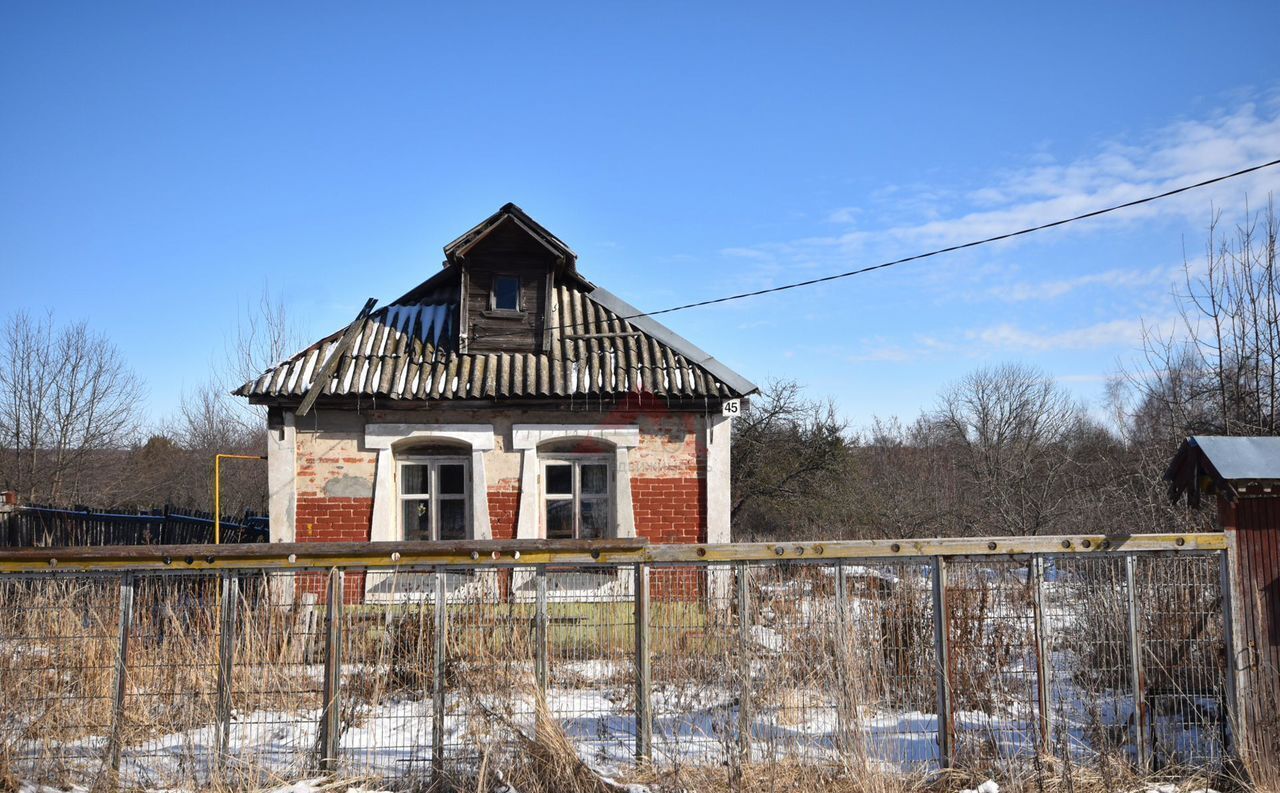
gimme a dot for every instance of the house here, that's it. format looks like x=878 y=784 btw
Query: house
x=504 y=397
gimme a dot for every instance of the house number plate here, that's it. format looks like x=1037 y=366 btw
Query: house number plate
x=731 y=407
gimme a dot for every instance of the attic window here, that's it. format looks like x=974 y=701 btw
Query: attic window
x=506 y=293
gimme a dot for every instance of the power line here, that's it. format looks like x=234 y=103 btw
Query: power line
x=938 y=252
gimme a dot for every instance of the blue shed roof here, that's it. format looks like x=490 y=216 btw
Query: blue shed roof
x=1240 y=457
x=1214 y=462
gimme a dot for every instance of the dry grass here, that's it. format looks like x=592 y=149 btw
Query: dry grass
x=59 y=642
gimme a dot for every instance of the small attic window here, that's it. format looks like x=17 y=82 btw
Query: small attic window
x=506 y=293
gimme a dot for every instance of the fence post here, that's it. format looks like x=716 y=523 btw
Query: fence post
x=1043 y=649
x=644 y=706
x=942 y=652
x=330 y=719
x=845 y=715
x=226 y=653
x=1136 y=679
x=437 y=679
x=540 y=619
x=1237 y=718
x=744 y=664
x=122 y=655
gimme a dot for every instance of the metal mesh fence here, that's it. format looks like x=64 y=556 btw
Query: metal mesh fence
x=411 y=673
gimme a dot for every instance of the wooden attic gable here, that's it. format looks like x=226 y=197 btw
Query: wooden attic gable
x=508 y=267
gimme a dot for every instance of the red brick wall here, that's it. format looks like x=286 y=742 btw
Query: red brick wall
x=317 y=583
x=504 y=508
x=677 y=584
x=328 y=519
x=670 y=510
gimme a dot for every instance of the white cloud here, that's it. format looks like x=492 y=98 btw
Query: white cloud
x=883 y=352
x=1083 y=378
x=747 y=253
x=882 y=349
x=1179 y=154
x=1007 y=336
x=844 y=215
x=1115 y=279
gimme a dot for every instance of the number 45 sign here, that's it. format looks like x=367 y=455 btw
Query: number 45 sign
x=731 y=407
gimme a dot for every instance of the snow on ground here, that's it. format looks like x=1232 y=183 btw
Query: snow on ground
x=694 y=723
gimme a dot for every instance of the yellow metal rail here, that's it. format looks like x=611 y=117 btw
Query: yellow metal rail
x=284 y=556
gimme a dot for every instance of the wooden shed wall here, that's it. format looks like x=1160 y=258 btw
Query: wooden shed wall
x=1255 y=523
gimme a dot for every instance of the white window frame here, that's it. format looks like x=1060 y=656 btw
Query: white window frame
x=388 y=439
x=433 y=494
x=527 y=438
x=393 y=440
x=577 y=460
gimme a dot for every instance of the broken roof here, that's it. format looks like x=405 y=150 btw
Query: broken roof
x=409 y=350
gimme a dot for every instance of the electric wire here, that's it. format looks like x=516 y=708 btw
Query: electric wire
x=919 y=256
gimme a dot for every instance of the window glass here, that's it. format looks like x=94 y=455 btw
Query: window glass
x=433 y=503
x=595 y=479
x=560 y=479
x=415 y=479
x=453 y=519
x=452 y=479
x=595 y=519
x=576 y=497
x=506 y=292
x=560 y=520
x=417 y=519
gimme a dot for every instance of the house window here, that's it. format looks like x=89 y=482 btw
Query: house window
x=506 y=293
x=577 y=492
x=434 y=498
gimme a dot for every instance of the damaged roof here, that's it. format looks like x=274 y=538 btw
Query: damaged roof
x=409 y=350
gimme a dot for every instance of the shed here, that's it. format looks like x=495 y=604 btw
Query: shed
x=1244 y=474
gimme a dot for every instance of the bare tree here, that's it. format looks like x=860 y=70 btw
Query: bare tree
x=1012 y=427
x=211 y=421
x=264 y=336
x=65 y=395
x=1219 y=372
x=909 y=483
x=786 y=452
x=25 y=373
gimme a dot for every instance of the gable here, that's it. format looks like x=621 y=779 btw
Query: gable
x=510 y=253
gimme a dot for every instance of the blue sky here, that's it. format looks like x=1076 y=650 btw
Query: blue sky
x=160 y=163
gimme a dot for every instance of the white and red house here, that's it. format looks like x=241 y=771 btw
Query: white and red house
x=504 y=397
